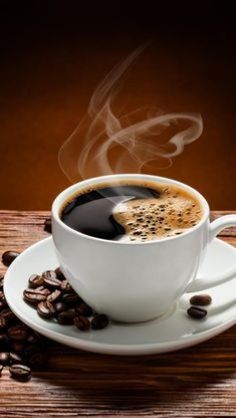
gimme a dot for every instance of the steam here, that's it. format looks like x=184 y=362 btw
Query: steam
x=104 y=143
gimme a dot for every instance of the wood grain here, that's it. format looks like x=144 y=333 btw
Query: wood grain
x=196 y=382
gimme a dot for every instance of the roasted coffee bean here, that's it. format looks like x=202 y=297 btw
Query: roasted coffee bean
x=18 y=332
x=1 y=369
x=50 y=280
x=34 y=338
x=35 y=280
x=197 y=313
x=8 y=257
x=54 y=296
x=66 y=287
x=1 y=282
x=66 y=317
x=60 y=307
x=34 y=296
x=3 y=300
x=9 y=316
x=4 y=358
x=99 y=321
x=84 y=309
x=37 y=359
x=44 y=290
x=3 y=323
x=20 y=372
x=48 y=225
x=70 y=298
x=2 y=296
x=82 y=323
x=17 y=346
x=201 y=300
x=45 y=309
x=4 y=342
x=49 y=274
x=14 y=358
x=3 y=305
x=59 y=274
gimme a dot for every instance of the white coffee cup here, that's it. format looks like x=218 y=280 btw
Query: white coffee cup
x=131 y=281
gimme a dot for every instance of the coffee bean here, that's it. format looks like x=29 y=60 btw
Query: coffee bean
x=202 y=300
x=49 y=274
x=45 y=309
x=20 y=372
x=34 y=296
x=66 y=287
x=60 y=307
x=3 y=299
x=1 y=369
x=14 y=358
x=59 y=274
x=9 y=316
x=71 y=298
x=54 y=296
x=197 y=313
x=3 y=305
x=84 y=309
x=3 y=323
x=50 y=280
x=4 y=358
x=35 y=280
x=8 y=257
x=48 y=225
x=44 y=290
x=99 y=321
x=1 y=282
x=4 y=342
x=18 y=333
x=17 y=346
x=82 y=323
x=34 y=338
x=66 y=317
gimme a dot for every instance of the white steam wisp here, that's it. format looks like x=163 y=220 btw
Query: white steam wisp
x=104 y=143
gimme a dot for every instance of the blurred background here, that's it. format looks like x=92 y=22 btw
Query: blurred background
x=53 y=55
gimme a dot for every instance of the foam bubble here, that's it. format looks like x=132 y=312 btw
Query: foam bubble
x=172 y=213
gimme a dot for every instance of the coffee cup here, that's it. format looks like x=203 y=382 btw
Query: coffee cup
x=133 y=282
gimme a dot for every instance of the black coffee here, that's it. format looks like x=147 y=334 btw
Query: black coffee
x=132 y=212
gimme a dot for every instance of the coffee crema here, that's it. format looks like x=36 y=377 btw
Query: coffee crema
x=132 y=211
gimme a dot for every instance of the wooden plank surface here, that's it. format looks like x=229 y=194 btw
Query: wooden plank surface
x=198 y=381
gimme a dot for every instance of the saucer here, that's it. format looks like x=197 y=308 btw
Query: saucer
x=173 y=331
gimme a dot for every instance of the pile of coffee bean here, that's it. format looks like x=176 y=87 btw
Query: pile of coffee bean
x=20 y=347
x=54 y=298
x=197 y=301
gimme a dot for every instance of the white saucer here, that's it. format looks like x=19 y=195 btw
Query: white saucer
x=172 y=332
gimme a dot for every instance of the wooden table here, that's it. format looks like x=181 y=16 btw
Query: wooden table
x=198 y=381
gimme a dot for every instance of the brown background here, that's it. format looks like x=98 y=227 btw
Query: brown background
x=54 y=54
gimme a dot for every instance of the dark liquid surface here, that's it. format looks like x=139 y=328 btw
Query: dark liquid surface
x=92 y=213
x=132 y=213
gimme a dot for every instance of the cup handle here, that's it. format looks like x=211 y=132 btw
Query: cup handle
x=200 y=283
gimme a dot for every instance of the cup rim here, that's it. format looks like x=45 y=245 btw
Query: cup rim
x=71 y=190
